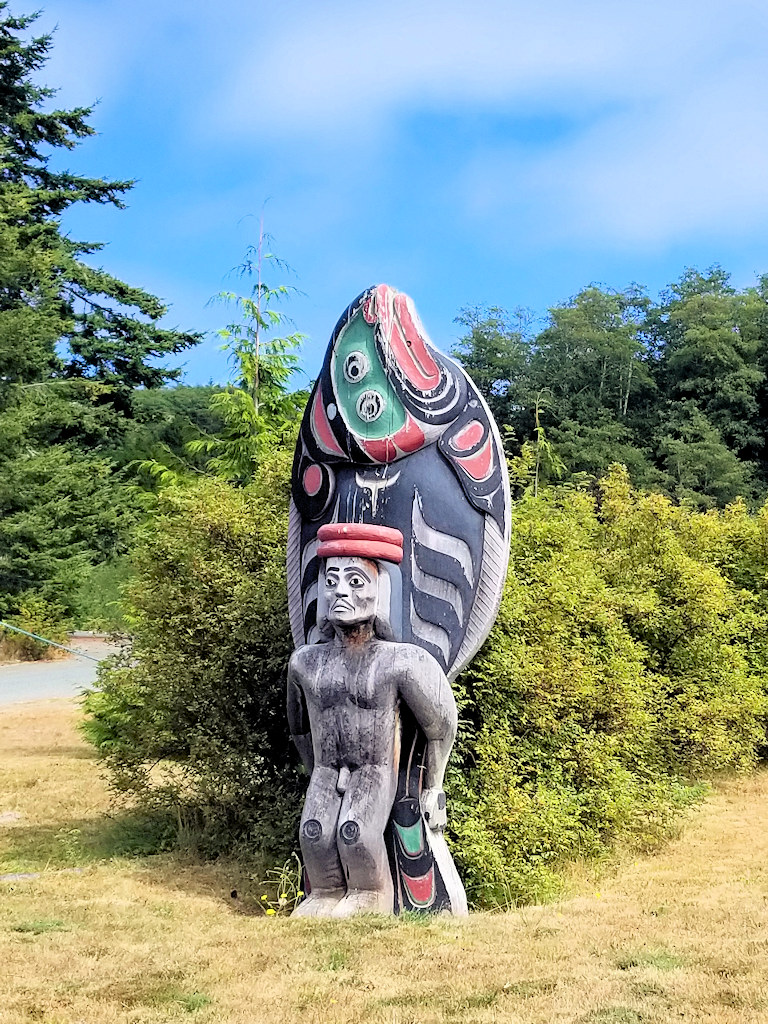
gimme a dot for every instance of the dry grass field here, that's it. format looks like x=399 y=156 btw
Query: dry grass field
x=99 y=937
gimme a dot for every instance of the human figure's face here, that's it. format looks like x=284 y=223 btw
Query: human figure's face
x=351 y=587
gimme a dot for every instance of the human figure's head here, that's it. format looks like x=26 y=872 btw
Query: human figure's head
x=351 y=590
x=359 y=580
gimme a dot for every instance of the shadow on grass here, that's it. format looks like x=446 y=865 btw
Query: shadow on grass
x=64 y=753
x=75 y=844
x=80 y=843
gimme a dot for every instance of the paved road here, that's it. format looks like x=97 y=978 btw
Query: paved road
x=38 y=680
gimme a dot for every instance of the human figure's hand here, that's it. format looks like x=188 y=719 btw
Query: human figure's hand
x=433 y=808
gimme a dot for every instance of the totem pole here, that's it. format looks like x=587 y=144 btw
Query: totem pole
x=397 y=552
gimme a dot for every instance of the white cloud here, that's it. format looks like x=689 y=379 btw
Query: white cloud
x=692 y=163
x=667 y=99
x=336 y=66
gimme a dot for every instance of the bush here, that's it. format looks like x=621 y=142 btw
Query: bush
x=625 y=666
x=628 y=664
x=192 y=723
x=98 y=601
x=35 y=615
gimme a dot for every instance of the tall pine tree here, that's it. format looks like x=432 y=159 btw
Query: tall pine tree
x=75 y=342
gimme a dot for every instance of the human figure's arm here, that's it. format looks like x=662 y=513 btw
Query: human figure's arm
x=425 y=689
x=298 y=719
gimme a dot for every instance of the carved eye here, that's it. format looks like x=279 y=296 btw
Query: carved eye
x=356 y=365
x=370 y=405
x=331 y=581
x=356 y=582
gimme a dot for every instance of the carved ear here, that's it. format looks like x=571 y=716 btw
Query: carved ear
x=388 y=624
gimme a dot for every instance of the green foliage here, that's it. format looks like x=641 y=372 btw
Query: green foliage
x=61 y=511
x=257 y=410
x=98 y=601
x=164 y=421
x=283 y=885
x=38 y=616
x=75 y=344
x=675 y=389
x=494 y=354
x=627 y=663
x=193 y=722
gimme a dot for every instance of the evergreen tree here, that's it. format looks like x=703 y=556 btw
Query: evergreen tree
x=75 y=342
x=60 y=317
x=496 y=353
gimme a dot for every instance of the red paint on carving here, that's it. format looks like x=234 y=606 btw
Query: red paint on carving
x=410 y=437
x=408 y=364
x=479 y=465
x=382 y=451
x=313 y=479
x=321 y=428
x=411 y=350
x=468 y=436
x=360 y=531
x=422 y=889
x=366 y=540
x=362 y=549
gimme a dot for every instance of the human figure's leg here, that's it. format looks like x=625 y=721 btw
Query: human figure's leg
x=317 y=837
x=363 y=817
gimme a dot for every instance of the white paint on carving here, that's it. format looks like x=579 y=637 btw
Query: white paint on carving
x=493 y=568
x=490 y=587
x=444 y=590
x=375 y=484
x=428 y=631
x=445 y=543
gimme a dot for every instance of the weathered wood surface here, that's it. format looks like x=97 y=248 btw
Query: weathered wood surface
x=397 y=553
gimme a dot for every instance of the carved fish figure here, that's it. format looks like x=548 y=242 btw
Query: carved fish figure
x=396 y=434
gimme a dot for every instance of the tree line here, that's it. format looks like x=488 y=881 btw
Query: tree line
x=675 y=389
x=93 y=420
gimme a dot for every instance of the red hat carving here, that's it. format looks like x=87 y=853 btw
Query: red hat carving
x=361 y=539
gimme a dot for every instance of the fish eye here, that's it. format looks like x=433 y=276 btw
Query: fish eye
x=370 y=405
x=356 y=366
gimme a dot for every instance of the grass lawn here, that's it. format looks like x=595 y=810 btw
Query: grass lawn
x=99 y=936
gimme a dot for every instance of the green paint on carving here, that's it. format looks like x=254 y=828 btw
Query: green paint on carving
x=410 y=837
x=356 y=342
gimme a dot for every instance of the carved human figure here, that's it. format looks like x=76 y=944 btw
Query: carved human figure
x=344 y=697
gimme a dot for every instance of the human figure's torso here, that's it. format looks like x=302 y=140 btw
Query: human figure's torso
x=351 y=695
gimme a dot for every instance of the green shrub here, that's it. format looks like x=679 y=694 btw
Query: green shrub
x=192 y=722
x=35 y=615
x=627 y=665
x=98 y=601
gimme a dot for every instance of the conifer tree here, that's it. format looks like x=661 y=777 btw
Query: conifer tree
x=62 y=318
x=75 y=343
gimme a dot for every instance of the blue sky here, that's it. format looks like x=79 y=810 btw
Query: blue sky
x=493 y=152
